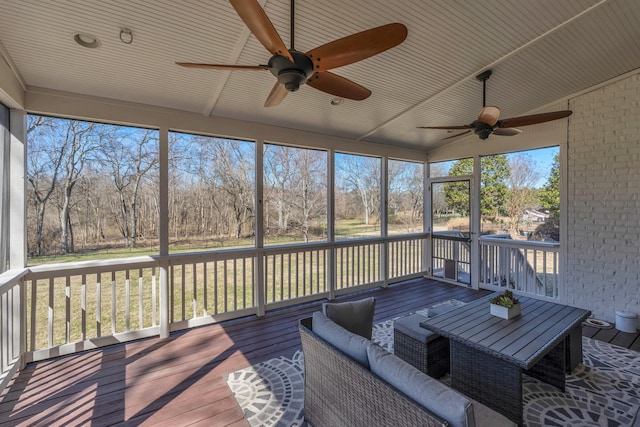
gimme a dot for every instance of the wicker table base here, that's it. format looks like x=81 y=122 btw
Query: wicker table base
x=498 y=383
x=425 y=350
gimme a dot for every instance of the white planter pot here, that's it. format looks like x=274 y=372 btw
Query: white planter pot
x=504 y=312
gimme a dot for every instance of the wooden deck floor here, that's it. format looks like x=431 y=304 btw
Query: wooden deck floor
x=179 y=380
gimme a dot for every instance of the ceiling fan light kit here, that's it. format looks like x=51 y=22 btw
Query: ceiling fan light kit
x=293 y=68
x=488 y=121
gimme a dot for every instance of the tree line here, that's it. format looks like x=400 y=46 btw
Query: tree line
x=94 y=185
x=507 y=188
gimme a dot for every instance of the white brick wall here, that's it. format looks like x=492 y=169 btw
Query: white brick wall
x=603 y=171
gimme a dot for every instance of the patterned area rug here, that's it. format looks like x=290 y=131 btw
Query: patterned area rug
x=602 y=392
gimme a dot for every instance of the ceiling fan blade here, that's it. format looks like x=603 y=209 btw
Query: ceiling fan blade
x=533 y=119
x=277 y=94
x=447 y=127
x=456 y=135
x=357 y=47
x=223 y=66
x=339 y=86
x=258 y=22
x=506 y=131
x=489 y=115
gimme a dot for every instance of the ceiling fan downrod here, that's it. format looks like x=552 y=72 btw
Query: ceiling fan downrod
x=483 y=77
x=292 y=24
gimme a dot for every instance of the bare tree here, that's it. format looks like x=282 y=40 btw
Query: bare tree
x=361 y=174
x=129 y=157
x=44 y=162
x=405 y=196
x=81 y=139
x=279 y=176
x=233 y=176
x=522 y=180
x=310 y=188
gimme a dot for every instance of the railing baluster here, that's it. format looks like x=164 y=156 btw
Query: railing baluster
x=127 y=300
x=281 y=258
x=304 y=273
x=67 y=314
x=51 y=314
x=183 y=303
x=311 y=272
x=34 y=302
x=83 y=308
x=172 y=286
x=113 y=303
x=194 y=299
x=289 y=272
x=99 y=305
x=5 y=329
x=215 y=287
x=205 y=290
x=154 y=297
x=297 y=275
x=226 y=287
x=244 y=283
x=140 y=299
x=235 y=284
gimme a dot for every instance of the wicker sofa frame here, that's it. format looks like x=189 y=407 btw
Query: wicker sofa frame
x=340 y=392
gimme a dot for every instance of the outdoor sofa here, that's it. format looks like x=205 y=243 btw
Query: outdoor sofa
x=351 y=381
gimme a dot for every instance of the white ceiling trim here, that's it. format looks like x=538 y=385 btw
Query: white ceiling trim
x=473 y=75
x=14 y=69
x=233 y=59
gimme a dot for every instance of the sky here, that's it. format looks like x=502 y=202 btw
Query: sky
x=542 y=156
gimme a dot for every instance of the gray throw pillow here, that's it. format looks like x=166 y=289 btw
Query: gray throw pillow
x=443 y=401
x=349 y=343
x=354 y=316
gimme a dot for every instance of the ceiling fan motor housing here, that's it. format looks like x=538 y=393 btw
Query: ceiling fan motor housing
x=291 y=74
x=483 y=130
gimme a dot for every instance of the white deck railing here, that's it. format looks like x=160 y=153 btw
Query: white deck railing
x=12 y=344
x=529 y=267
x=77 y=306
x=451 y=256
x=51 y=310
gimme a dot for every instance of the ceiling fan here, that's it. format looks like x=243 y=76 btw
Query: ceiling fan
x=293 y=68
x=488 y=121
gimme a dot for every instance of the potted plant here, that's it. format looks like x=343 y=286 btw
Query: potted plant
x=505 y=305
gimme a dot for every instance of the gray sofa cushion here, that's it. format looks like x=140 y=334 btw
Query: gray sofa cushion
x=428 y=392
x=351 y=344
x=354 y=316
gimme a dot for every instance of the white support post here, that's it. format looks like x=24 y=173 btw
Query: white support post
x=384 y=229
x=18 y=189
x=259 y=279
x=164 y=232
x=17 y=221
x=428 y=220
x=331 y=220
x=475 y=223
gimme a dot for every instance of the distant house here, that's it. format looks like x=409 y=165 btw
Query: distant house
x=532 y=215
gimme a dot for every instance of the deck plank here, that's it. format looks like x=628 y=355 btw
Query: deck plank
x=180 y=380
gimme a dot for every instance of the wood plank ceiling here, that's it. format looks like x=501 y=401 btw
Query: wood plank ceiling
x=541 y=52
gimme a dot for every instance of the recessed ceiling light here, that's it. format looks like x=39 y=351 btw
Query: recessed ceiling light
x=337 y=101
x=87 y=40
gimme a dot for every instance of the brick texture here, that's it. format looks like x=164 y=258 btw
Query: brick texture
x=603 y=263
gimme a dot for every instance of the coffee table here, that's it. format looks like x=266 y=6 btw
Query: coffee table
x=489 y=354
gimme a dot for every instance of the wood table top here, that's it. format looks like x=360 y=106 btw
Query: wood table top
x=523 y=340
